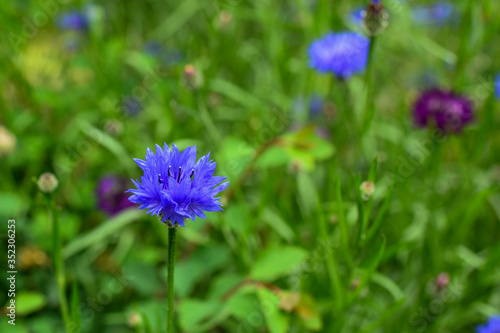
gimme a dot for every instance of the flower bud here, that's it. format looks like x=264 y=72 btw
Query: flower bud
x=47 y=182
x=134 y=319
x=192 y=77
x=442 y=281
x=224 y=19
x=375 y=18
x=7 y=141
x=367 y=189
x=114 y=127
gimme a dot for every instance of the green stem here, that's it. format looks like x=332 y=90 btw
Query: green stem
x=170 y=278
x=369 y=110
x=331 y=264
x=59 y=265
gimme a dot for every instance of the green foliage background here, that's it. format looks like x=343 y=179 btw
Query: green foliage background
x=297 y=249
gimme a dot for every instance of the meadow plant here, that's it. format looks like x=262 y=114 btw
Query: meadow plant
x=176 y=187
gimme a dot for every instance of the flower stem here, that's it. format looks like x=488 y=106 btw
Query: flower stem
x=59 y=264
x=170 y=278
x=368 y=112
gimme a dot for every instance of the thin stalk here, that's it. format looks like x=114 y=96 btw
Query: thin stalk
x=170 y=278
x=369 y=110
x=331 y=264
x=464 y=46
x=344 y=231
x=59 y=265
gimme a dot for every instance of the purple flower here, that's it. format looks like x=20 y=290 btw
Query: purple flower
x=343 y=54
x=73 y=20
x=446 y=110
x=175 y=186
x=492 y=326
x=110 y=194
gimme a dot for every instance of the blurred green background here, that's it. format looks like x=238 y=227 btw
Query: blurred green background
x=87 y=86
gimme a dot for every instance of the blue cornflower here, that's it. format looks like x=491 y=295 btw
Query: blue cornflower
x=73 y=20
x=132 y=106
x=316 y=105
x=357 y=16
x=343 y=53
x=175 y=186
x=492 y=326
x=497 y=86
x=438 y=14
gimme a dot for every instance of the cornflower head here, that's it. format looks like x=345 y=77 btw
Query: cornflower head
x=175 y=187
x=375 y=18
x=343 y=54
x=492 y=326
x=446 y=110
x=73 y=20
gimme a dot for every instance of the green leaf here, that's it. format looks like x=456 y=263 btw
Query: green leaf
x=109 y=142
x=307 y=193
x=193 y=312
x=386 y=315
x=104 y=230
x=276 y=321
x=388 y=285
x=11 y=204
x=370 y=271
x=237 y=94
x=274 y=220
x=144 y=278
x=9 y=328
x=28 y=302
x=204 y=261
x=308 y=312
x=277 y=261
x=273 y=157
x=243 y=303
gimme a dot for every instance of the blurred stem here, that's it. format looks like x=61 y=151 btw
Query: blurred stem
x=172 y=231
x=344 y=231
x=59 y=263
x=369 y=110
x=331 y=263
x=463 y=49
x=207 y=120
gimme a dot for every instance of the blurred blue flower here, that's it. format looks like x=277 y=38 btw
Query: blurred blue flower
x=316 y=104
x=438 y=14
x=131 y=106
x=175 y=186
x=153 y=48
x=110 y=194
x=166 y=56
x=497 y=86
x=343 y=54
x=72 y=20
x=492 y=326
x=357 y=16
